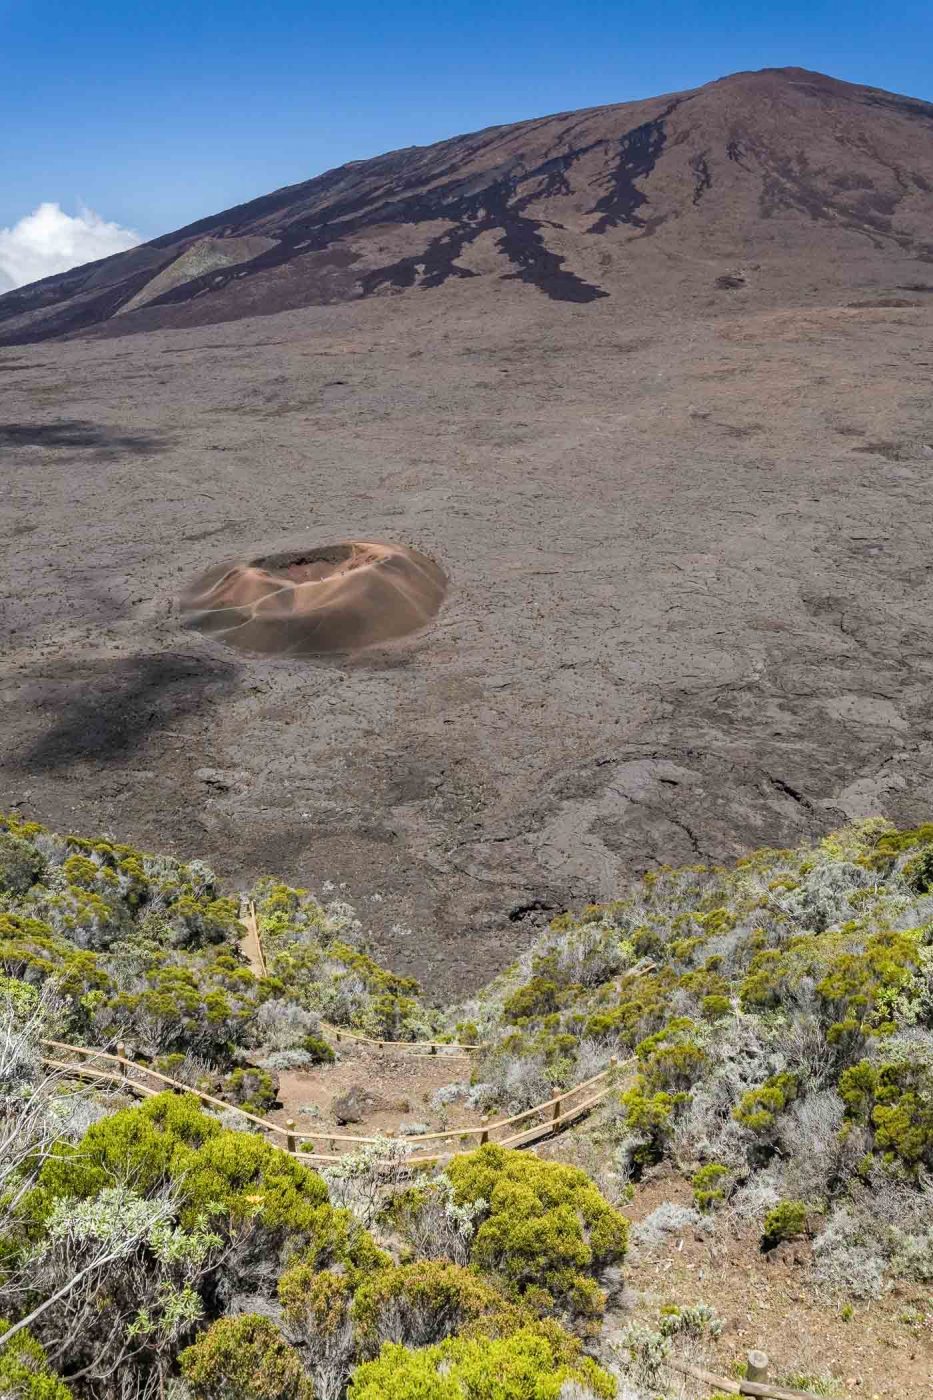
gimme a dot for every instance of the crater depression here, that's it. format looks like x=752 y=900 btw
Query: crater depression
x=333 y=598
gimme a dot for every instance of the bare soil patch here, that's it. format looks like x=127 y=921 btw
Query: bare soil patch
x=768 y=1301
x=402 y=1083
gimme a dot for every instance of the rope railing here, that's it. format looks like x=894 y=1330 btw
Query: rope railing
x=553 y=1114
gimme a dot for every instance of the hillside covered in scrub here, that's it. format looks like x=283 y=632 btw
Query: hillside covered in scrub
x=774 y=1026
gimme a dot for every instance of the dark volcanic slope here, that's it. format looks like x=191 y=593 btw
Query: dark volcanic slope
x=783 y=161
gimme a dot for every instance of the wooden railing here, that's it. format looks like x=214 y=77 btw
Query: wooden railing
x=518 y=1130
x=755 y=1383
x=421 y=1049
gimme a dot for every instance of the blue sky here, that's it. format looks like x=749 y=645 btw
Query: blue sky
x=158 y=113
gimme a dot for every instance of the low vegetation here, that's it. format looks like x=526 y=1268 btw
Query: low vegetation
x=778 y=1016
x=776 y=1020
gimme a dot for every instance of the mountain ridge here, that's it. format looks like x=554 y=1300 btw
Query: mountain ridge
x=783 y=161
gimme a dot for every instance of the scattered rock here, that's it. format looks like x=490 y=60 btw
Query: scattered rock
x=356 y=1104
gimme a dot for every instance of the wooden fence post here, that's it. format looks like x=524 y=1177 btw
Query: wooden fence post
x=290 y=1136
x=757 y=1366
x=555 y=1111
x=484 y=1137
x=121 y=1055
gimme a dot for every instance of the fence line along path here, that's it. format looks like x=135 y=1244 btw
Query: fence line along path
x=321 y=1145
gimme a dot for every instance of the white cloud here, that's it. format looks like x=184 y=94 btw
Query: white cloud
x=48 y=240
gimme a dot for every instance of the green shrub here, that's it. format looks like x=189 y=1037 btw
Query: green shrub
x=546 y=1230
x=317 y=1310
x=20 y=997
x=758 y=1108
x=389 y=1016
x=170 y=1140
x=422 y=1303
x=319 y=1050
x=886 y=844
x=252 y=1088
x=20 y=864
x=32 y=952
x=377 y=978
x=785 y=1221
x=25 y=1372
x=853 y=974
x=650 y=1117
x=709 y=1185
x=244 y=1358
x=536 y=998
x=197 y=922
x=695 y=1320
x=84 y=872
x=894 y=1099
x=337 y=1241
x=672 y=1060
x=197 y=1008
x=644 y=1006
x=526 y=1366
x=918 y=871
